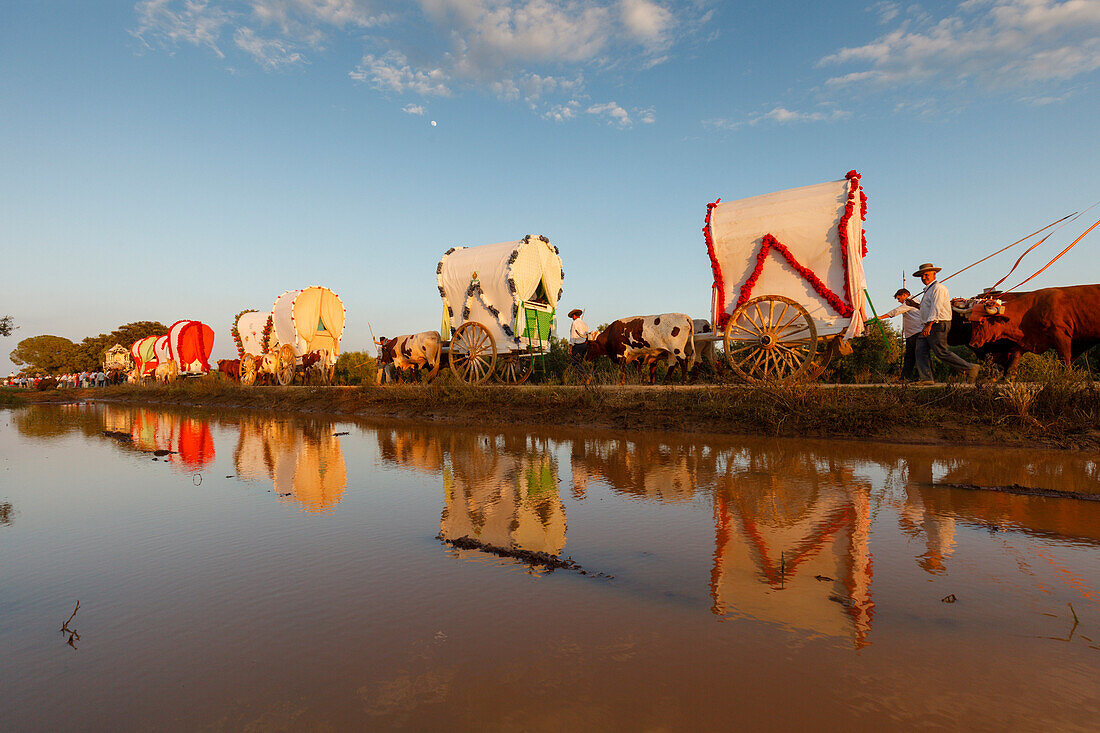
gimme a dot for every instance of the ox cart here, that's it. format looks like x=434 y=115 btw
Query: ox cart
x=499 y=308
x=788 y=278
x=302 y=331
x=182 y=352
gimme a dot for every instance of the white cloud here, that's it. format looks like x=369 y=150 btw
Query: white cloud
x=615 y=114
x=562 y=112
x=647 y=21
x=269 y=53
x=392 y=73
x=994 y=44
x=779 y=116
x=535 y=51
x=413 y=109
x=169 y=23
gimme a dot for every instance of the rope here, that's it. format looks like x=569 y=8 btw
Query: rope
x=1002 y=249
x=1067 y=249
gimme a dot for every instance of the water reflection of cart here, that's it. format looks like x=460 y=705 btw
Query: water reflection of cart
x=499 y=307
x=788 y=278
x=793 y=544
x=303 y=461
x=504 y=498
x=300 y=323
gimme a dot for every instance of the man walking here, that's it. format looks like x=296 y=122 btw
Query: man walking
x=935 y=318
x=578 y=341
x=909 y=310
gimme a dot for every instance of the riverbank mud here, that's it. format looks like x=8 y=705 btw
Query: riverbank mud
x=1063 y=416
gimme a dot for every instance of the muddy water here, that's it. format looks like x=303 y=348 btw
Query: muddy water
x=242 y=571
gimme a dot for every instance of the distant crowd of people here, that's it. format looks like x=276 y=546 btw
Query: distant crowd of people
x=81 y=380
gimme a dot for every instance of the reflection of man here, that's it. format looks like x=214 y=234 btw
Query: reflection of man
x=916 y=517
x=935 y=318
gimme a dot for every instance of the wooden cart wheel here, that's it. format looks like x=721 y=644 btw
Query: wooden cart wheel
x=770 y=339
x=473 y=353
x=514 y=368
x=248 y=370
x=285 y=371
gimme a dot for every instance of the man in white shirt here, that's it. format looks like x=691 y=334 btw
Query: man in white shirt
x=935 y=318
x=578 y=340
x=909 y=310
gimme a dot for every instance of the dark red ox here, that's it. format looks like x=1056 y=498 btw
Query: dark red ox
x=230 y=368
x=668 y=337
x=1064 y=319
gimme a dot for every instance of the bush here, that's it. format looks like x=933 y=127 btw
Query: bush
x=355 y=367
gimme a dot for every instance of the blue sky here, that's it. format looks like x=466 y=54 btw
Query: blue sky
x=191 y=158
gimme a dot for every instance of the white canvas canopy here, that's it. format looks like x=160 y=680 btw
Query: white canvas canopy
x=488 y=284
x=309 y=320
x=251 y=326
x=808 y=223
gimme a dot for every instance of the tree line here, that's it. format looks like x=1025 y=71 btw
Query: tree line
x=48 y=354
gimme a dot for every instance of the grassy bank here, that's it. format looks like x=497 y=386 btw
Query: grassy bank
x=12 y=397
x=1058 y=415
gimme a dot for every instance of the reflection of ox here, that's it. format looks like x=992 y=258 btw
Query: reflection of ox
x=1064 y=319
x=668 y=337
x=412 y=351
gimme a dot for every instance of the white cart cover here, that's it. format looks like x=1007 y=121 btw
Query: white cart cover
x=309 y=319
x=251 y=326
x=814 y=254
x=507 y=273
x=162 y=349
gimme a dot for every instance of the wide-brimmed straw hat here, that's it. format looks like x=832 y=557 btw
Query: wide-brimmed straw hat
x=575 y=312
x=926 y=267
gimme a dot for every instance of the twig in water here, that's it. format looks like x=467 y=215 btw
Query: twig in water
x=74 y=636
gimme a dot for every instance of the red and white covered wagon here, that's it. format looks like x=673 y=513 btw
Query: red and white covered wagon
x=189 y=346
x=788 y=277
x=145 y=357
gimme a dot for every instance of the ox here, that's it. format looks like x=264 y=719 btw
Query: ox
x=706 y=354
x=317 y=365
x=668 y=337
x=231 y=368
x=412 y=351
x=1064 y=319
x=164 y=372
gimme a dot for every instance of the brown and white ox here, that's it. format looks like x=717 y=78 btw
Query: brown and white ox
x=706 y=353
x=668 y=337
x=317 y=366
x=165 y=372
x=411 y=351
x=1064 y=319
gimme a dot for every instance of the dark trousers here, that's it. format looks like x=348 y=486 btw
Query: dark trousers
x=936 y=343
x=909 y=361
x=577 y=353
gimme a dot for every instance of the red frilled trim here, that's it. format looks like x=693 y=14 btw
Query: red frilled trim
x=842 y=228
x=719 y=283
x=769 y=243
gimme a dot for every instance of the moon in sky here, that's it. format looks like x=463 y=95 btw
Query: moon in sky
x=433 y=123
